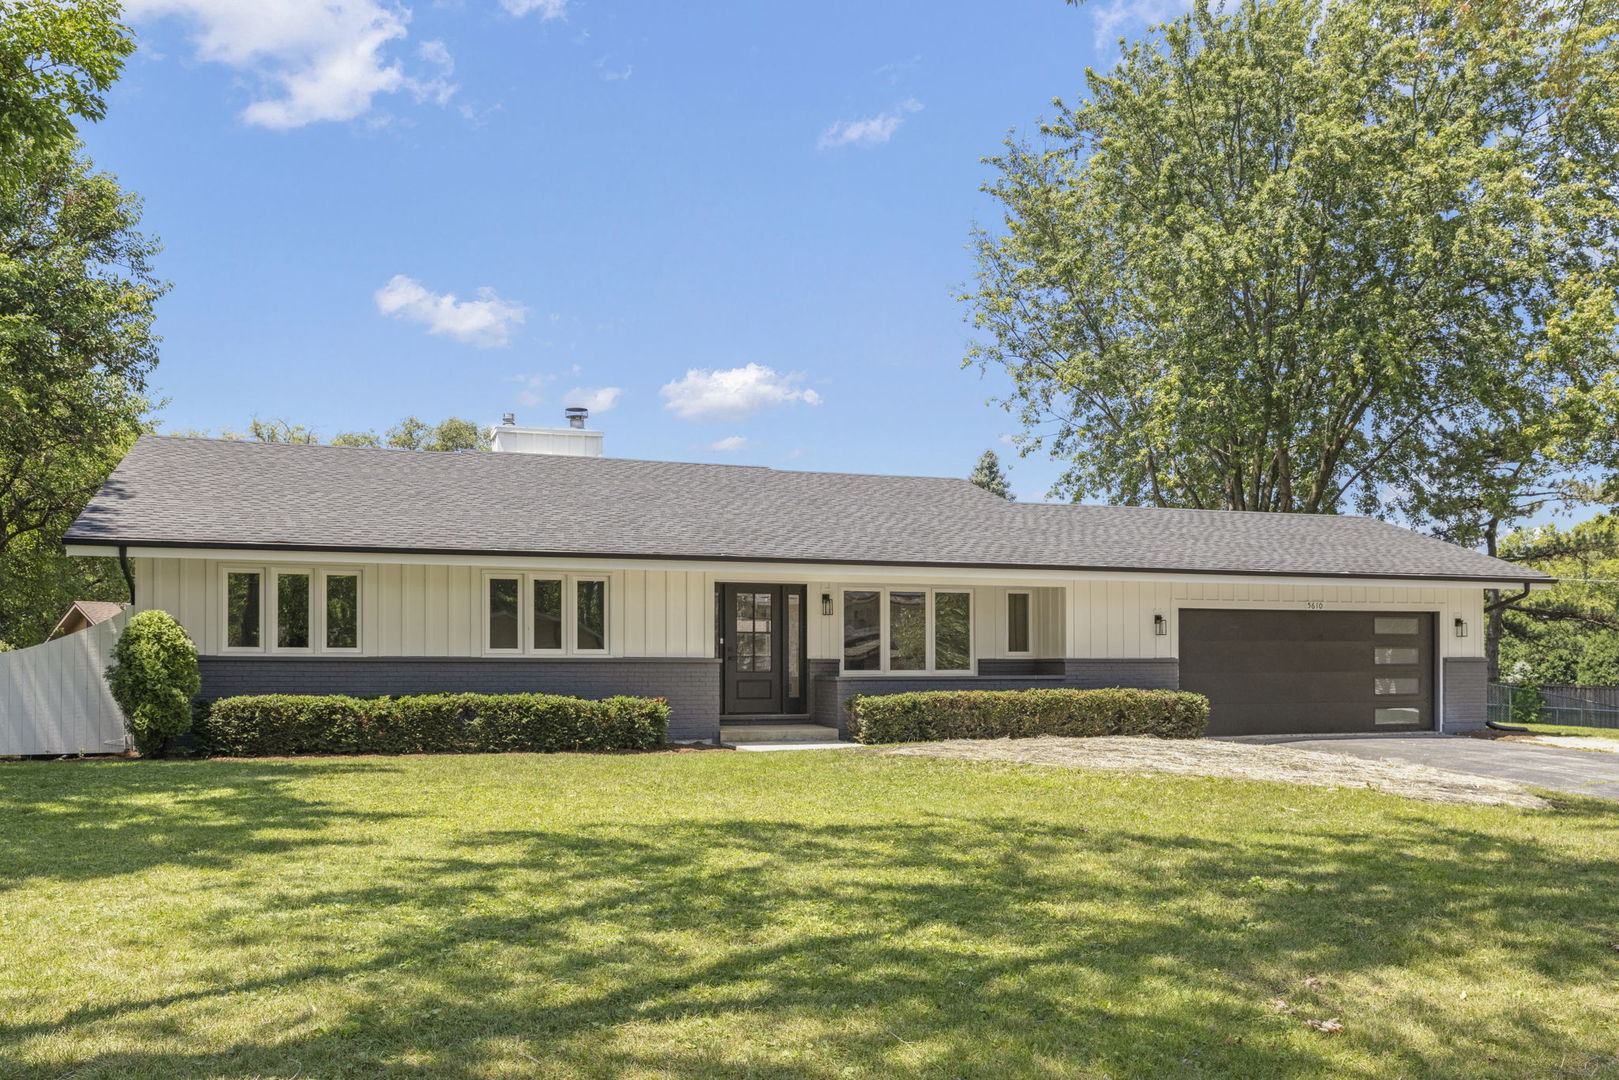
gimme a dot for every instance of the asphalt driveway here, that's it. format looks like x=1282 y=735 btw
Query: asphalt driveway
x=1580 y=772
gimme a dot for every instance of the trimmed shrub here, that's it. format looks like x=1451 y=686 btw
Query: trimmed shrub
x=929 y=715
x=153 y=677
x=280 y=724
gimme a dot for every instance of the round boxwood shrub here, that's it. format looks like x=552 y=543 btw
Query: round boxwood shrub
x=153 y=678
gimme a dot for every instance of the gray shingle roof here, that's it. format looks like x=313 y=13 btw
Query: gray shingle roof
x=215 y=493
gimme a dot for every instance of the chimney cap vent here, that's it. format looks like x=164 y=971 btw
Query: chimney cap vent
x=509 y=418
x=577 y=415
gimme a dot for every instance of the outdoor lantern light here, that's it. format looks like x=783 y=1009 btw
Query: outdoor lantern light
x=826 y=603
x=1159 y=626
x=1461 y=627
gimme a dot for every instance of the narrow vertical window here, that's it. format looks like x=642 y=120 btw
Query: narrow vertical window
x=862 y=630
x=907 y=631
x=342 y=611
x=795 y=645
x=1017 y=622
x=503 y=617
x=547 y=613
x=292 y=611
x=591 y=623
x=952 y=631
x=242 y=610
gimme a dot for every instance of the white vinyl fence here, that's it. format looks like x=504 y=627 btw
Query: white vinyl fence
x=54 y=700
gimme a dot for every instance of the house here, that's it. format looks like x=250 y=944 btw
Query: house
x=740 y=592
x=83 y=614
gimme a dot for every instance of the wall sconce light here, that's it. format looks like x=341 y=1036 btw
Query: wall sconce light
x=826 y=603
x=1461 y=627
x=1160 y=626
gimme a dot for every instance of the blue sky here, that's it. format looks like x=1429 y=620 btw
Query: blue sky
x=736 y=230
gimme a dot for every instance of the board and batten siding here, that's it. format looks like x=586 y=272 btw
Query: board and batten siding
x=417 y=609
x=427 y=609
x=1114 y=619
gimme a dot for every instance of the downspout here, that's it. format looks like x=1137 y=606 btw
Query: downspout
x=129 y=576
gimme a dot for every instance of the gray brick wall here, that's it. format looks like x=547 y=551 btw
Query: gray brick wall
x=831 y=691
x=692 y=686
x=1466 y=688
x=1149 y=674
x=1020 y=666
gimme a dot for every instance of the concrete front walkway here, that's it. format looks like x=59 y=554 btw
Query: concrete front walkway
x=1578 y=772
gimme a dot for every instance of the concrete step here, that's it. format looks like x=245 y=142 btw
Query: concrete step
x=777 y=733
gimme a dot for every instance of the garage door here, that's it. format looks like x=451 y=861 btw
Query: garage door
x=1281 y=672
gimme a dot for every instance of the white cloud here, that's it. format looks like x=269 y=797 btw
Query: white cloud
x=314 y=59
x=729 y=444
x=548 y=9
x=872 y=131
x=701 y=393
x=485 y=322
x=598 y=400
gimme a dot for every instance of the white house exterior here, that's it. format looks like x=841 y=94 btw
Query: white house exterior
x=745 y=593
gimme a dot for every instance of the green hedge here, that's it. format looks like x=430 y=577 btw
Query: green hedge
x=276 y=724
x=998 y=714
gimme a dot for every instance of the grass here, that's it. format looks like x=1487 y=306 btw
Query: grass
x=788 y=917
x=1569 y=729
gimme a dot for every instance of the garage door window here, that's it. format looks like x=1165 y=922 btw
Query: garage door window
x=1397 y=624
x=1397 y=686
x=1394 y=656
x=1397 y=716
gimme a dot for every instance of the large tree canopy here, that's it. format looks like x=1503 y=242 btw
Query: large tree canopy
x=1317 y=256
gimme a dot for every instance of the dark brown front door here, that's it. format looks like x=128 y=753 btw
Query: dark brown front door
x=762 y=646
x=1292 y=672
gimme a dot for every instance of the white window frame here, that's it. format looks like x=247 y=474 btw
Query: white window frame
x=1028 y=614
x=570 y=612
x=270 y=609
x=265 y=602
x=359 y=609
x=273 y=640
x=884 y=620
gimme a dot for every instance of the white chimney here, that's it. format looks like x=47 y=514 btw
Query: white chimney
x=571 y=441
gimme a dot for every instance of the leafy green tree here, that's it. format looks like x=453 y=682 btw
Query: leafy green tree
x=76 y=342
x=989 y=475
x=279 y=431
x=1318 y=255
x=57 y=61
x=1570 y=632
x=76 y=296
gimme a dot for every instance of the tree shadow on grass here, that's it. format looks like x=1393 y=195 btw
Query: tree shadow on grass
x=84 y=821
x=977 y=947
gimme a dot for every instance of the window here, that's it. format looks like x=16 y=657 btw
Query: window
x=1396 y=625
x=1395 y=686
x=755 y=625
x=1017 y=622
x=548 y=614
x=907 y=631
x=1394 y=656
x=1397 y=716
x=544 y=613
x=243 y=617
x=292 y=610
x=342 y=611
x=952 y=631
x=503 y=619
x=592 y=621
x=862 y=630
x=901 y=630
x=795 y=646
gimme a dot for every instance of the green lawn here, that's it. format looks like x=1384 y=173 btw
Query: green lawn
x=1567 y=729
x=784 y=916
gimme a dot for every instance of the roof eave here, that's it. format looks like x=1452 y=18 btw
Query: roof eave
x=1532 y=579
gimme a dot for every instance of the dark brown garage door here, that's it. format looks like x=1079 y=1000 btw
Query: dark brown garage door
x=1284 y=672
